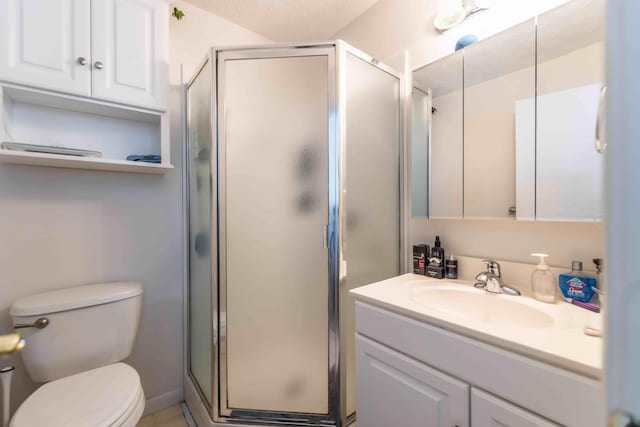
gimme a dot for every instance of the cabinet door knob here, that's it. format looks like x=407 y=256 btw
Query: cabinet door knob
x=99 y=65
x=82 y=60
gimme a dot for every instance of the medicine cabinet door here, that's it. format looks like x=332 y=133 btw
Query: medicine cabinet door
x=498 y=72
x=420 y=112
x=442 y=80
x=571 y=62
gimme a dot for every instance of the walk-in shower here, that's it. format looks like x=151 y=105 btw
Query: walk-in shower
x=294 y=163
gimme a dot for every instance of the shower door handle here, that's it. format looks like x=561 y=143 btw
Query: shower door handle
x=325 y=236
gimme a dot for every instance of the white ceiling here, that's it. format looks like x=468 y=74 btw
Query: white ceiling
x=289 y=20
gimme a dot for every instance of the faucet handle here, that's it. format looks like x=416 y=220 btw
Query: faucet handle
x=493 y=267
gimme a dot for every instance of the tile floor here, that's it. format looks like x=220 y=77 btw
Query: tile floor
x=170 y=417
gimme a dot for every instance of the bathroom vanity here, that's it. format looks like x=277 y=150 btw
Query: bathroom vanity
x=443 y=353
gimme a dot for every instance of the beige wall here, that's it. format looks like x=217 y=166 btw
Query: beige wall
x=392 y=27
x=64 y=227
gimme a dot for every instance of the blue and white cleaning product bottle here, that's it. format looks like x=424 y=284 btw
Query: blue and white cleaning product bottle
x=543 y=283
x=577 y=284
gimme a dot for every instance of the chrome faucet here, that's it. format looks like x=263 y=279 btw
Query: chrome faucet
x=491 y=280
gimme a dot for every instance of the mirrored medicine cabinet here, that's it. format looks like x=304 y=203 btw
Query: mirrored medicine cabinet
x=507 y=128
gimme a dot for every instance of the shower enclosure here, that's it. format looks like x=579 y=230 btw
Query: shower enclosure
x=294 y=165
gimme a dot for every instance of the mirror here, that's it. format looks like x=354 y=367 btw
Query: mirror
x=420 y=110
x=498 y=72
x=513 y=125
x=571 y=63
x=442 y=82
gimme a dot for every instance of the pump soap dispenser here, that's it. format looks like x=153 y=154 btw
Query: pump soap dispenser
x=543 y=284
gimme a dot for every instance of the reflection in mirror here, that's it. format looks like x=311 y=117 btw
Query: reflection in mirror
x=570 y=78
x=420 y=112
x=442 y=80
x=498 y=72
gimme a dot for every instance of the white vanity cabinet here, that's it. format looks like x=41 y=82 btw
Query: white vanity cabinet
x=114 y=50
x=395 y=390
x=414 y=374
x=488 y=410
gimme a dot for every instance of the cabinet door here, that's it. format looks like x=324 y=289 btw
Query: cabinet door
x=394 y=390
x=130 y=51
x=570 y=77
x=442 y=80
x=498 y=72
x=42 y=43
x=489 y=411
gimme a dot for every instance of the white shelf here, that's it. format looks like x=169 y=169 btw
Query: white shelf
x=35 y=116
x=88 y=163
x=79 y=104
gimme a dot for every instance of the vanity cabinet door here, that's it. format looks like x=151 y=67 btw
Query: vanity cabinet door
x=130 y=51
x=45 y=43
x=394 y=390
x=489 y=411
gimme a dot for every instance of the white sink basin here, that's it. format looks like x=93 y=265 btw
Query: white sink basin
x=482 y=306
x=551 y=333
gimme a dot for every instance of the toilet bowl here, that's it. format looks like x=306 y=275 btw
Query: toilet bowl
x=110 y=396
x=90 y=329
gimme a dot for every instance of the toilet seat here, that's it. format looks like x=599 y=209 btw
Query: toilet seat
x=110 y=396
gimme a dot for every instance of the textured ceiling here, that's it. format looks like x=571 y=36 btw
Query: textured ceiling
x=289 y=20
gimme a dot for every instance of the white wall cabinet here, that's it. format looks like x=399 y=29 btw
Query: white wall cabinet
x=114 y=50
x=42 y=43
x=396 y=390
x=129 y=49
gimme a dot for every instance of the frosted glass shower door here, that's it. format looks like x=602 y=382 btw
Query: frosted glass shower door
x=201 y=232
x=372 y=248
x=274 y=213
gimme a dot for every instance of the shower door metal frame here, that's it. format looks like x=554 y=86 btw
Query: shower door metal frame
x=333 y=213
x=208 y=59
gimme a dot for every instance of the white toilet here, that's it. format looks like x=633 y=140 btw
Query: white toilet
x=90 y=329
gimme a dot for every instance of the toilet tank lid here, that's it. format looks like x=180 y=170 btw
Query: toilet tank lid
x=76 y=297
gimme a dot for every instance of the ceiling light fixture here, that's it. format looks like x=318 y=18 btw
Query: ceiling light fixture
x=452 y=12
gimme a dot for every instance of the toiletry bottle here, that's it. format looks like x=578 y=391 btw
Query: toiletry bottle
x=451 y=267
x=420 y=257
x=435 y=267
x=543 y=284
x=598 y=298
x=437 y=250
x=577 y=284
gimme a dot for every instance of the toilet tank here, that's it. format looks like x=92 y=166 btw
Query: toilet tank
x=89 y=326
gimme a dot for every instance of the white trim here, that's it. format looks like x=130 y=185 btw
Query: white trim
x=163 y=401
x=196 y=408
x=187 y=415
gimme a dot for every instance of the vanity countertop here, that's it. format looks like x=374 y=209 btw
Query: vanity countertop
x=550 y=333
